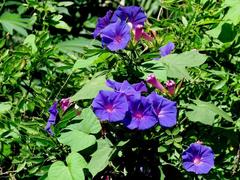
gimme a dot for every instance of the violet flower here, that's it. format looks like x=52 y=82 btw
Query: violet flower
x=133 y=14
x=126 y=88
x=165 y=110
x=52 y=118
x=198 y=159
x=102 y=23
x=167 y=49
x=140 y=115
x=151 y=79
x=171 y=86
x=116 y=36
x=111 y=106
x=140 y=87
x=65 y=104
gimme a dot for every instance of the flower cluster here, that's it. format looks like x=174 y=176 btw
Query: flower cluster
x=125 y=104
x=115 y=27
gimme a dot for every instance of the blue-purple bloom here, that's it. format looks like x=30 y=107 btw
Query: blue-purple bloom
x=164 y=109
x=52 y=118
x=198 y=158
x=133 y=14
x=140 y=115
x=126 y=88
x=102 y=23
x=116 y=36
x=140 y=87
x=111 y=106
x=167 y=49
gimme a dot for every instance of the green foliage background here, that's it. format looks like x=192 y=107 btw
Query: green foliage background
x=47 y=52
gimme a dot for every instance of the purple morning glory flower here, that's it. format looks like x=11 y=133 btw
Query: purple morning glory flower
x=167 y=49
x=165 y=110
x=102 y=23
x=133 y=14
x=140 y=87
x=111 y=106
x=141 y=115
x=116 y=36
x=125 y=87
x=198 y=159
x=52 y=118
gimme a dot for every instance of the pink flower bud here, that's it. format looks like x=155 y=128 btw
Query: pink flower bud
x=151 y=79
x=139 y=33
x=171 y=86
x=146 y=36
x=65 y=103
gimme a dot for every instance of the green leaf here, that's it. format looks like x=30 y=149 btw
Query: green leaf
x=162 y=149
x=100 y=158
x=65 y=3
x=11 y=21
x=176 y=64
x=73 y=170
x=175 y=131
x=4 y=107
x=89 y=124
x=178 y=139
x=186 y=59
x=205 y=113
x=21 y=166
x=63 y=25
x=170 y=141
x=77 y=140
x=233 y=14
x=30 y=41
x=90 y=89
x=159 y=70
x=76 y=45
x=83 y=63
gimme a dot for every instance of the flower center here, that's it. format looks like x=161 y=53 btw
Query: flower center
x=118 y=39
x=197 y=161
x=138 y=115
x=109 y=108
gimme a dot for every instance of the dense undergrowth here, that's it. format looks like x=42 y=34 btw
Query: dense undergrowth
x=48 y=53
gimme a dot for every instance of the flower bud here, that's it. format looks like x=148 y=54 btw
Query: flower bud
x=151 y=79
